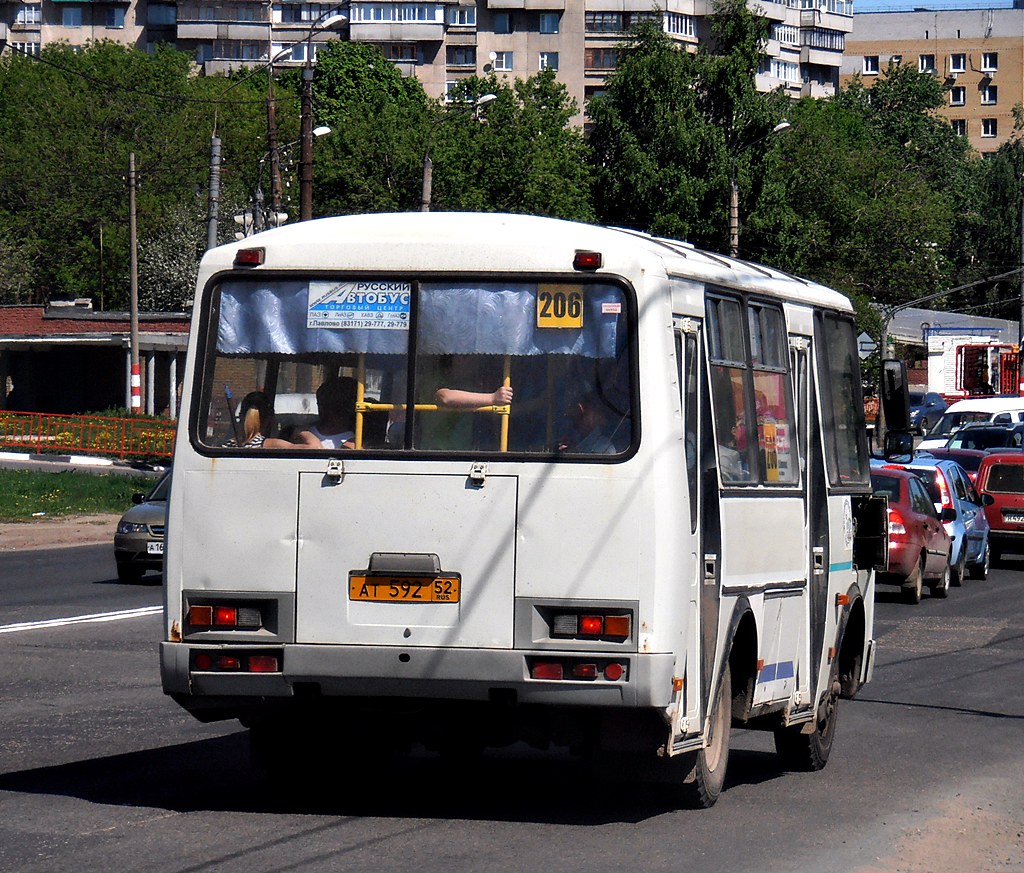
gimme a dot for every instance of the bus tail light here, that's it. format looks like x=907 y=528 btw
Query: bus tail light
x=234 y=616
x=591 y=625
x=250 y=257
x=556 y=669
x=587 y=261
x=236 y=662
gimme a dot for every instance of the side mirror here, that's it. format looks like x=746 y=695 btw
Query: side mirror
x=898 y=443
x=987 y=500
x=895 y=396
x=947 y=514
x=138 y=498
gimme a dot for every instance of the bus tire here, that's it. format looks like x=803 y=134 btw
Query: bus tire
x=809 y=752
x=705 y=776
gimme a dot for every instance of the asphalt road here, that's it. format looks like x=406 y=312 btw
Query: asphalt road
x=100 y=772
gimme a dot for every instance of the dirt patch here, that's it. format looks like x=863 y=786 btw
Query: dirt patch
x=964 y=836
x=52 y=533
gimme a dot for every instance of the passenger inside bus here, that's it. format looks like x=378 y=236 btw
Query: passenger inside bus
x=335 y=426
x=597 y=428
x=455 y=398
x=256 y=418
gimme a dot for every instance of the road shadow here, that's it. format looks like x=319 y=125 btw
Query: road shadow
x=215 y=775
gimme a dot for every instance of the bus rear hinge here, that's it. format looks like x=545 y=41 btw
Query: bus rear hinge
x=477 y=474
x=335 y=471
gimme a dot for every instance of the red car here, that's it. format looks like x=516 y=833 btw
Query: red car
x=918 y=543
x=1001 y=476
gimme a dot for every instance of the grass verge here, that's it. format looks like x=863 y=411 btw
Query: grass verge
x=25 y=494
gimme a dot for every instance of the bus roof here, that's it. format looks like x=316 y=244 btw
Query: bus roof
x=440 y=242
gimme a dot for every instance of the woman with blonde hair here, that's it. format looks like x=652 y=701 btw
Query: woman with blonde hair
x=256 y=416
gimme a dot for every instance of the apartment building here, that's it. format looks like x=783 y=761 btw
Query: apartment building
x=439 y=42
x=978 y=54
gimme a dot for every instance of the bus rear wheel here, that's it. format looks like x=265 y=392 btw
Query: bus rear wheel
x=705 y=776
x=809 y=751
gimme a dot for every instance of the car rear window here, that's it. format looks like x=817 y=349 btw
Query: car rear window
x=927 y=478
x=1006 y=478
x=887 y=485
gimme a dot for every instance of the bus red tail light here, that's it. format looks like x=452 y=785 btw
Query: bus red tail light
x=263 y=664
x=228 y=662
x=546 y=670
x=225 y=616
x=591 y=625
x=236 y=662
x=584 y=671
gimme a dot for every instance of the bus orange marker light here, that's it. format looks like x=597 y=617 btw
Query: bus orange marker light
x=831 y=653
x=842 y=600
x=760 y=664
x=677 y=681
x=616 y=625
x=200 y=616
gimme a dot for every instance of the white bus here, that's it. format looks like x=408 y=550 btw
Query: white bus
x=653 y=541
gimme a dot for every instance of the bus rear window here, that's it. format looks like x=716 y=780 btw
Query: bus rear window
x=446 y=367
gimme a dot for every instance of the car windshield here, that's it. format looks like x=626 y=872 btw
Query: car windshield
x=916 y=398
x=984 y=438
x=162 y=488
x=952 y=420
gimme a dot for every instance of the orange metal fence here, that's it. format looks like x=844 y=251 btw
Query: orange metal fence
x=87 y=434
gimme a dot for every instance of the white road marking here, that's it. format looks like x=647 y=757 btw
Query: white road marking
x=95 y=618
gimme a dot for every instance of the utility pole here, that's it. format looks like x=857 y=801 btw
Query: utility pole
x=133 y=237
x=214 y=209
x=306 y=142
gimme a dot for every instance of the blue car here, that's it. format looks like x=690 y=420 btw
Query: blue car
x=926 y=408
x=950 y=487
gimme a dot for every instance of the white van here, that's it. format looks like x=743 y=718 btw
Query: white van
x=992 y=410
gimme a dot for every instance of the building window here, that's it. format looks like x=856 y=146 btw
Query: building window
x=600 y=58
x=989 y=127
x=679 y=24
x=115 y=17
x=403 y=52
x=71 y=16
x=870 y=65
x=989 y=62
x=896 y=60
x=461 y=56
x=926 y=63
x=28 y=15
x=503 y=61
x=26 y=48
x=503 y=22
x=989 y=95
x=462 y=16
x=958 y=63
x=959 y=126
x=957 y=95
x=549 y=22
x=549 y=60
x=603 y=22
x=161 y=13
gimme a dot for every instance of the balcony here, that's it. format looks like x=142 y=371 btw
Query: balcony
x=214 y=30
x=396 y=31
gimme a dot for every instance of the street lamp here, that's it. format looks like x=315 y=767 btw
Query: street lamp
x=473 y=106
x=734 y=191
x=327 y=21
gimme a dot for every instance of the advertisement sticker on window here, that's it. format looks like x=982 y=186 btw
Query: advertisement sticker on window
x=362 y=305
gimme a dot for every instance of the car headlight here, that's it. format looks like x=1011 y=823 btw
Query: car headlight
x=127 y=527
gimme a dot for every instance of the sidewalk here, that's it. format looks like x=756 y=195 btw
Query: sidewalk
x=54 y=533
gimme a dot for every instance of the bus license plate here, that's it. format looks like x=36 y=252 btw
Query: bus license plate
x=404 y=589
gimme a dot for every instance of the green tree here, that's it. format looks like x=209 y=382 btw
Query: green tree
x=674 y=126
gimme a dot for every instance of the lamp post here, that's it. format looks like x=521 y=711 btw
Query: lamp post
x=327 y=21
x=734 y=191
x=428 y=164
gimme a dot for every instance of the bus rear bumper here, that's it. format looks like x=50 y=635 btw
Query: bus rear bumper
x=444 y=674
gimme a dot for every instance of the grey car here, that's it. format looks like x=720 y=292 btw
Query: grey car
x=139 y=539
